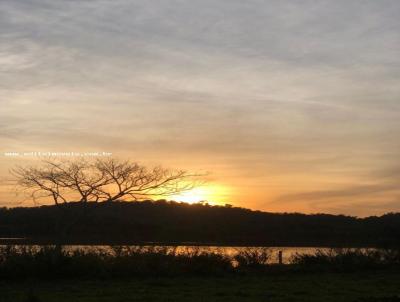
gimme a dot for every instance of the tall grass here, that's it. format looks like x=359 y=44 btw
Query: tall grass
x=252 y=257
x=348 y=259
x=121 y=261
x=138 y=261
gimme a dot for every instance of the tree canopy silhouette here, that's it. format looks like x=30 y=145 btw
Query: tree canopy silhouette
x=171 y=223
x=100 y=180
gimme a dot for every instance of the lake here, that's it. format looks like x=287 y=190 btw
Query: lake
x=287 y=252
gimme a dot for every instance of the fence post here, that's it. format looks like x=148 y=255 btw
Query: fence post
x=280 y=258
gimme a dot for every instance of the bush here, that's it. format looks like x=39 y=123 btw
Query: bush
x=347 y=259
x=141 y=261
x=118 y=261
x=252 y=257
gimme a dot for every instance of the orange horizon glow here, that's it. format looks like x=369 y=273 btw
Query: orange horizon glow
x=283 y=117
x=212 y=194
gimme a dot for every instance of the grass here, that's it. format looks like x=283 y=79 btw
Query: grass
x=20 y=262
x=348 y=260
x=354 y=287
x=47 y=274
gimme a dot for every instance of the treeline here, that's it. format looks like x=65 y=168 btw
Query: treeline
x=179 y=223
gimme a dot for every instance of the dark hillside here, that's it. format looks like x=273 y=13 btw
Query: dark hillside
x=171 y=222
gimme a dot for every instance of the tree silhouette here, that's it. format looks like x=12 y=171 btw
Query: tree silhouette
x=101 y=180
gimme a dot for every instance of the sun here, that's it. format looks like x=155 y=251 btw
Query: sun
x=210 y=194
x=193 y=196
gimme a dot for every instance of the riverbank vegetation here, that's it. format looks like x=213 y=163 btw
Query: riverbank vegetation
x=19 y=262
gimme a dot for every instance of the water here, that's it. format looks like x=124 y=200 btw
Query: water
x=287 y=252
x=11 y=238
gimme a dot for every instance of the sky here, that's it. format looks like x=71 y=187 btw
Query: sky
x=291 y=106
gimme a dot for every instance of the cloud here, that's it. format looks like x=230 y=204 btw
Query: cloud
x=285 y=91
x=349 y=192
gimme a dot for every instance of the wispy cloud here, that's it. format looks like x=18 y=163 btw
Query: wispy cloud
x=290 y=97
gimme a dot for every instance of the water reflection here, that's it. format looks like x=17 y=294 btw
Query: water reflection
x=287 y=252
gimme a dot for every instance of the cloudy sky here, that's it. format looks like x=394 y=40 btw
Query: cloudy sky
x=292 y=105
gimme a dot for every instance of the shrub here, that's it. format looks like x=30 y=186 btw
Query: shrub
x=252 y=257
x=347 y=259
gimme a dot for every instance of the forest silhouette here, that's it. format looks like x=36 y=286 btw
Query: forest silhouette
x=169 y=222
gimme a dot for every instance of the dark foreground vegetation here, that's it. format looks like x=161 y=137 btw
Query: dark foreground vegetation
x=32 y=261
x=18 y=262
x=170 y=222
x=40 y=274
x=327 y=287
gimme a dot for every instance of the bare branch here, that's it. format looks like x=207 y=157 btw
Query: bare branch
x=100 y=180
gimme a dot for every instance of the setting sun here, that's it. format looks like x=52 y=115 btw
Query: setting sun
x=210 y=194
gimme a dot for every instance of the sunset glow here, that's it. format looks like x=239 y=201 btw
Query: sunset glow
x=294 y=106
x=213 y=195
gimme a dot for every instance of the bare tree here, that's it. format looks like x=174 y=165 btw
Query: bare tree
x=100 y=180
